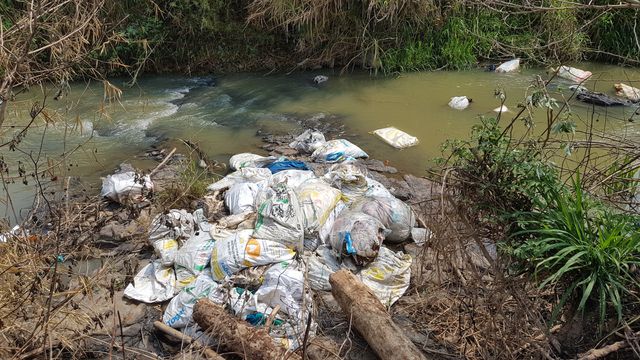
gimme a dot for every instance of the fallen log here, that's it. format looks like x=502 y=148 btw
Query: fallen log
x=236 y=335
x=208 y=353
x=370 y=318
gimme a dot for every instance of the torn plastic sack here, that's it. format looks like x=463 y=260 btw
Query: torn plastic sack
x=322 y=263
x=283 y=285
x=573 y=74
x=325 y=229
x=396 y=138
x=375 y=188
x=251 y=175
x=195 y=254
x=179 y=312
x=317 y=199
x=241 y=196
x=126 y=187
x=240 y=251
x=628 y=92
x=509 y=66
x=308 y=141
x=337 y=151
x=249 y=160
x=349 y=178
x=459 y=102
x=167 y=230
x=394 y=214
x=358 y=235
x=279 y=166
x=293 y=178
x=420 y=235
x=280 y=217
x=154 y=283
x=388 y=276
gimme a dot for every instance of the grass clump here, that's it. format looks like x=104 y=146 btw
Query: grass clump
x=190 y=186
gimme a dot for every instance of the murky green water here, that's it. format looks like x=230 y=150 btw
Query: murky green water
x=224 y=118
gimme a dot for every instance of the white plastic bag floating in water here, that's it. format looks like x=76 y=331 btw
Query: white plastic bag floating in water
x=252 y=175
x=358 y=235
x=167 y=229
x=396 y=138
x=154 y=283
x=388 y=276
x=241 y=196
x=509 y=66
x=336 y=151
x=627 y=91
x=240 y=251
x=243 y=160
x=501 y=109
x=459 y=102
x=573 y=74
x=308 y=141
x=179 y=312
x=394 y=214
x=126 y=187
x=349 y=178
x=280 y=217
x=317 y=199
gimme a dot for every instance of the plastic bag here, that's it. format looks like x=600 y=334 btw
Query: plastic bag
x=375 y=188
x=573 y=74
x=251 y=175
x=154 y=283
x=509 y=66
x=358 y=235
x=293 y=178
x=280 y=217
x=241 y=196
x=628 y=92
x=325 y=229
x=394 y=214
x=459 y=102
x=283 y=165
x=322 y=263
x=167 y=229
x=249 y=160
x=337 y=151
x=195 y=254
x=396 y=138
x=388 y=276
x=349 y=178
x=179 y=312
x=308 y=141
x=317 y=199
x=283 y=285
x=126 y=187
x=501 y=109
x=240 y=251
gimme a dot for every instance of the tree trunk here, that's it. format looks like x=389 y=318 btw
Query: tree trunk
x=371 y=319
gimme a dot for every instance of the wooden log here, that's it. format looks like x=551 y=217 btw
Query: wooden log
x=236 y=335
x=370 y=318
x=208 y=353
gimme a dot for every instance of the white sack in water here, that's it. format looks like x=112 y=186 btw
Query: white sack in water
x=459 y=102
x=509 y=66
x=396 y=138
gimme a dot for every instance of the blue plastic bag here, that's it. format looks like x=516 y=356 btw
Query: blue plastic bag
x=278 y=166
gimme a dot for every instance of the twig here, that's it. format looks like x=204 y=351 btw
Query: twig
x=606 y=350
x=163 y=163
x=271 y=317
x=209 y=353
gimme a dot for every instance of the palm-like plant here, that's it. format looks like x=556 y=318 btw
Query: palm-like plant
x=592 y=252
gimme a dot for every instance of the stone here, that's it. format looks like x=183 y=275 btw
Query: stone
x=379 y=166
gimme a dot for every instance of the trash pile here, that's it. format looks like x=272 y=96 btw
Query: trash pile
x=288 y=229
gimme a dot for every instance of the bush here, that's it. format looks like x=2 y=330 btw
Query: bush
x=585 y=247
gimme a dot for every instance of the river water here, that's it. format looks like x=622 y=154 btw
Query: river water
x=224 y=118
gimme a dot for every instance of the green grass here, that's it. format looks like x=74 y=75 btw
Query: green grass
x=586 y=249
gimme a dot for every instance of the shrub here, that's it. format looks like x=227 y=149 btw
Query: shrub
x=585 y=247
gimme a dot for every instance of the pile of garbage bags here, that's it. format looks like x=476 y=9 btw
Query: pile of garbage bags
x=287 y=231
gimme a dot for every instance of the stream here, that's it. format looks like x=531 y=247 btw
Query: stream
x=223 y=118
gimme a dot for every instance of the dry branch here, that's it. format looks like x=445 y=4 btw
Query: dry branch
x=370 y=318
x=210 y=354
x=236 y=335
